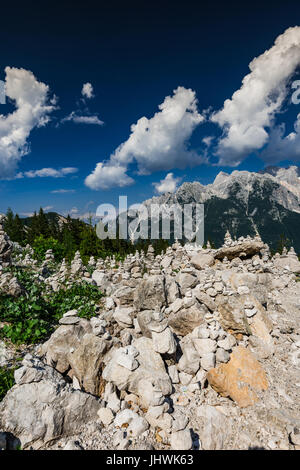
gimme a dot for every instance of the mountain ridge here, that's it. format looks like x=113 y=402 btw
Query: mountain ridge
x=246 y=203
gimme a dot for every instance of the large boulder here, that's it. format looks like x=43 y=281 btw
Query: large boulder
x=187 y=319
x=190 y=359
x=87 y=362
x=124 y=316
x=232 y=315
x=62 y=342
x=164 y=342
x=246 y=248
x=291 y=263
x=214 y=426
x=100 y=279
x=240 y=379
x=123 y=295
x=172 y=289
x=42 y=406
x=202 y=260
x=205 y=299
x=150 y=294
x=150 y=322
x=186 y=281
x=259 y=284
x=260 y=324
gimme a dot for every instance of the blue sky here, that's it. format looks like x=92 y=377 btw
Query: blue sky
x=135 y=56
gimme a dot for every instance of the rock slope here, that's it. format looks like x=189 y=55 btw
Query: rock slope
x=192 y=349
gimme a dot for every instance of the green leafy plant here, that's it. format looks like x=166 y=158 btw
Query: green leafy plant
x=83 y=297
x=32 y=317
x=28 y=318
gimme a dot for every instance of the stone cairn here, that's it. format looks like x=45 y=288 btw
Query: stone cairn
x=6 y=248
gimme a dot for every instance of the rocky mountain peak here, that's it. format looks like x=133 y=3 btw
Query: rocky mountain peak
x=246 y=203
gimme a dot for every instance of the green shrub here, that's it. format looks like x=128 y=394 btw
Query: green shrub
x=42 y=244
x=6 y=381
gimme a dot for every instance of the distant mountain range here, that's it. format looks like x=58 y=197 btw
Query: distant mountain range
x=243 y=202
x=246 y=203
x=52 y=217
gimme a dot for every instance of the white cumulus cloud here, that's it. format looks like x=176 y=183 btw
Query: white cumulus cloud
x=167 y=185
x=107 y=175
x=31 y=99
x=247 y=117
x=87 y=90
x=158 y=143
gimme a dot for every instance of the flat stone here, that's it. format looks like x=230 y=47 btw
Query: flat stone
x=69 y=320
x=71 y=313
x=247 y=248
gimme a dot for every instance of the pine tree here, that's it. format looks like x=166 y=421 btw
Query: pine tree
x=44 y=226
x=19 y=232
x=14 y=227
x=9 y=223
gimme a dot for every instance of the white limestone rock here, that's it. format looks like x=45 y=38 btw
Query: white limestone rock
x=204 y=346
x=208 y=361
x=106 y=416
x=164 y=342
x=124 y=316
x=181 y=440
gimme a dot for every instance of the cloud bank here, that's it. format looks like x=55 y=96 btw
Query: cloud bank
x=249 y=115
x=247 y=121
x=161 y=143
x=31 y=99
x=158 y=143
